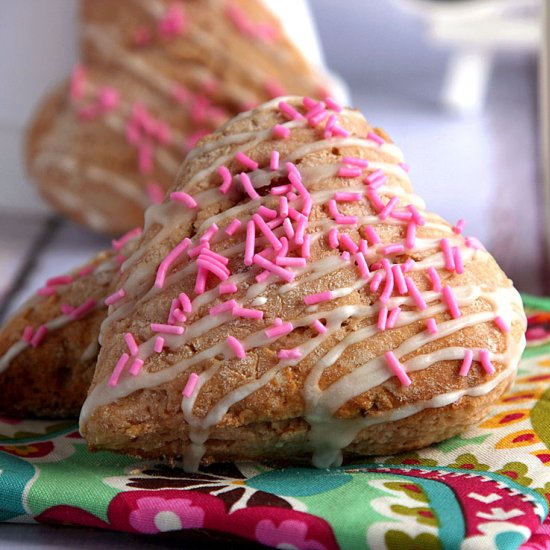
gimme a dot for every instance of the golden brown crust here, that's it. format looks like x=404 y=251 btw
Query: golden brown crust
x=150 y=420
x=52 y=379
x=86 y=166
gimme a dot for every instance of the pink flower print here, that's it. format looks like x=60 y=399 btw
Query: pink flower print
x=289 y=535
x=157 y=514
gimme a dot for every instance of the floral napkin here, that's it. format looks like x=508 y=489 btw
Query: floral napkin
x=487 y=488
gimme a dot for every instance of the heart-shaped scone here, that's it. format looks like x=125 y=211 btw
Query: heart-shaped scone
x=293 y=297
x=49 y=348
x=155 y=77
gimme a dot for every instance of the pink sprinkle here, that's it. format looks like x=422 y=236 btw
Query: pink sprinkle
x=392 y=317
x=397 y=368
x=185 y=302
x=46 y=291
x=159 y=344
x=376 y=179
x=342 y=196
x=267 y=213
x=451 y=302
x=248 y=187
x=309 y=103
x=264 y=228
x=459 y=227
x=405 y=167
x=329 y=126
x=333 y=240
x=274 y=160
x=431 y=325
x=236 y=346
x=410 y=238
x=434 y=278
x=184 y=198
x=311 y=299
x=227 y=179
x=280 y=132
x=349 y=172
x=308 y=205
x=376 y=138
x=200 y=281
x=172 y=23
x=345 y=256
x=60 y=280
x=284 y=274
x=250 y=242
x=387 y=210
x=388 y=288
x=196 y=250
x=190 y=385
x=502 y=324
x=346 y=220
x=216 y=268
x=135 y=368
x=85 y=271
x=78 y=82
x=418 y=219
x=473 y=242
x=382 y=318
x=130 y=341
x=280 y=330
x=354 y=161
x=109 y=98
x=306 y=247
x=209 y=233
x=283 y=206
x=362 y=265
x=408 y=265
x=83 y=309
x=402 y=215
x=281 y=189
x=332 y=104
x=27 y=334
x=376 y=201
x=347 y=242
x=457 y=257
x=415 y=294
x=263 y=276
x=133 y=233
x=274 y=89
x=467 y=363
x=66 y=309
x=247 y=313
x=339 y=131
x=399 y=279
x=289 y=111
x=142 y=37
x=166 y=329
x=224 y=306
x=294 y=353
x=376 y=281
x=290 y=262
x=167 y=262
x=319 y=327
x=227 y=288
x=371 y=235
x=117 y=371
x=447 y=254
x=115 y=297
x=333 y=209
x=232 y=227
x=395 y=248
x=486 y=361
x=246 y=161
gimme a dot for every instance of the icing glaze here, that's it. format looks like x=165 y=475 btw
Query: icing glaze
x=328 y=434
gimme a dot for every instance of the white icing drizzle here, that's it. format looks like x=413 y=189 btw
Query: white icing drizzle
x=328 y=434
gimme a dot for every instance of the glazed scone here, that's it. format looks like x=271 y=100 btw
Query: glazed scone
x=49 y=347
x=297 y=292
x=154 y=77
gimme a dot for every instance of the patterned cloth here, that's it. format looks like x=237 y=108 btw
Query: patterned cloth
x=487 y=488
